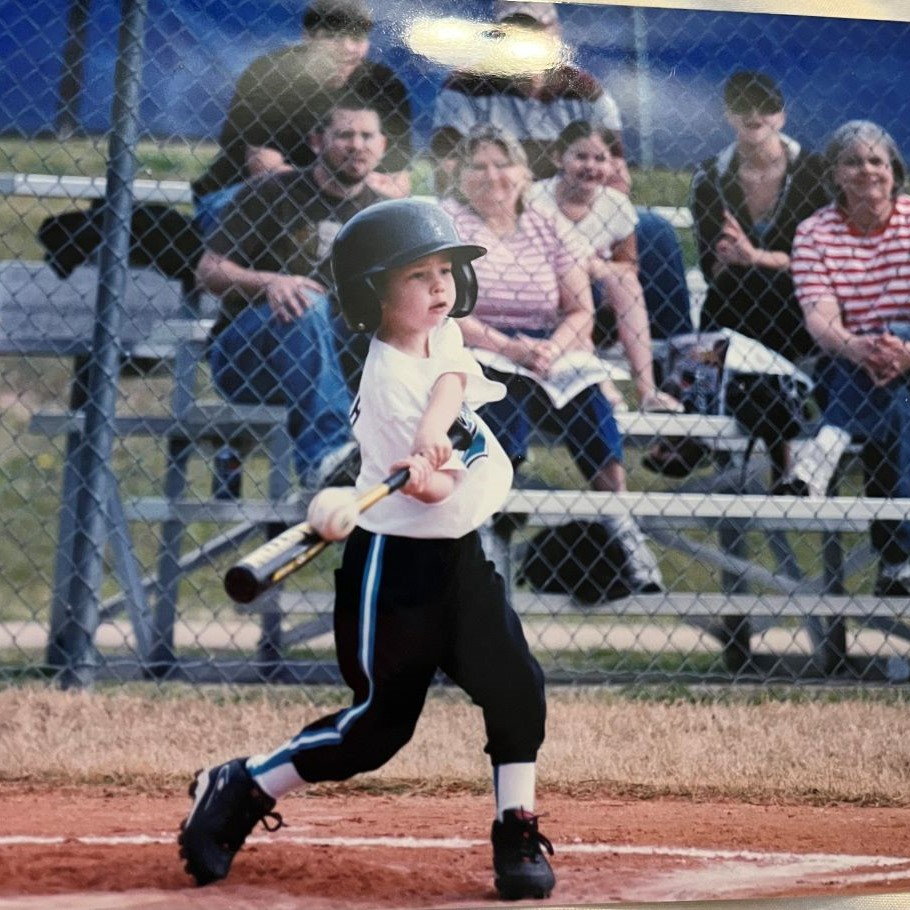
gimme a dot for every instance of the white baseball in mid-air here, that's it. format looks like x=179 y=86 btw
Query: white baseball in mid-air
x=333 y=512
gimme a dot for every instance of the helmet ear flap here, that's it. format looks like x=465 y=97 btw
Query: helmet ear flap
x=465 y=288
x=362 y=310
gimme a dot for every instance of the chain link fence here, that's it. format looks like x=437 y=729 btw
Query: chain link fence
x=132 y=479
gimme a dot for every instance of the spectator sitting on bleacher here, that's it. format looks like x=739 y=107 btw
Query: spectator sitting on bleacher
x=534 y=306
x=535 y=107
x=746 y=202
x=851 y=266
x=273 y=341
x=580 y=200
x=282 y=96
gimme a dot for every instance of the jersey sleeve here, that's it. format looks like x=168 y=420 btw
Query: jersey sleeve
x=392 y=398
x=451 y=356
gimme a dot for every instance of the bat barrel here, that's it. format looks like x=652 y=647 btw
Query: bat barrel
x=243 y=584
x=270 y=563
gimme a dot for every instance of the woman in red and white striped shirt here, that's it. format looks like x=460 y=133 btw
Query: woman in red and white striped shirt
x=851 y=268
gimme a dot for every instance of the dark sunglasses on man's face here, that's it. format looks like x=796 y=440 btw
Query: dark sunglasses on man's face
x=765 y=108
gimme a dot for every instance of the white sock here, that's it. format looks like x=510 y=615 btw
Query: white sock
x=514 y=785
x=274 y=773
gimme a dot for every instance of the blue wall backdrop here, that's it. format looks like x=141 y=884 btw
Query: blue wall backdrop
x=830 y=69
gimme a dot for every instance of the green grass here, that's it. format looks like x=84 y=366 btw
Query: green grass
x=661 y=187
x=88 y=157
x=30 y=481
x=673 y=663
x=30 y=472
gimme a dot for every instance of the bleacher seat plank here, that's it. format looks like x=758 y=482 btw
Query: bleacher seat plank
x=838 y=513
x=217 y=420
x=74 y=187
x=793 y=512
x=669 y=605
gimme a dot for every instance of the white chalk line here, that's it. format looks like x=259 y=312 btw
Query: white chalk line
x=761 y=867
x=827 y=860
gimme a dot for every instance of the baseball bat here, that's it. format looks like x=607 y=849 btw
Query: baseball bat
x=283 y=555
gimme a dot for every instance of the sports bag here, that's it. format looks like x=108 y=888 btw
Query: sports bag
x=580 y=558
x=724 y=372
x=593 y=561
x=770 y=407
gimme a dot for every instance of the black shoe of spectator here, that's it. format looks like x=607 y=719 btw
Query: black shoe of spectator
x=892 y=585
x=674 y=459
x=791 y=487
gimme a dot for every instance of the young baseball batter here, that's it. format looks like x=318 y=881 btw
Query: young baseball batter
x=415 y=593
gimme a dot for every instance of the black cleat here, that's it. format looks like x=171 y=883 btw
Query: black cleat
x=522 y=870
x=227 y=805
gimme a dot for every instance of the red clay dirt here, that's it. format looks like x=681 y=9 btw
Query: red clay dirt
x=423 y=851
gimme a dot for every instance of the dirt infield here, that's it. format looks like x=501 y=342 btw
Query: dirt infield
x=107 y=847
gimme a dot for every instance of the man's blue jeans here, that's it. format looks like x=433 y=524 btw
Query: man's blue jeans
x=259 y=360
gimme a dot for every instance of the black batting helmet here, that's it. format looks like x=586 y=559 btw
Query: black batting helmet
x=388 y=235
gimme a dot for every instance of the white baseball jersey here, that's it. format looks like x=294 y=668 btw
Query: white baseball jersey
x=394 y=392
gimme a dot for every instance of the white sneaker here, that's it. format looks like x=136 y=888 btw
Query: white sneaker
x=639 y=569
x=338 y=468
x=815 y=462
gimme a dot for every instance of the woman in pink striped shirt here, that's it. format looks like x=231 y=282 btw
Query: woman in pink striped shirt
x=851 y=268
x=534 y=304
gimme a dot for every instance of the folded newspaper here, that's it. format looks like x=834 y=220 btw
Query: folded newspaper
x=570 y=375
